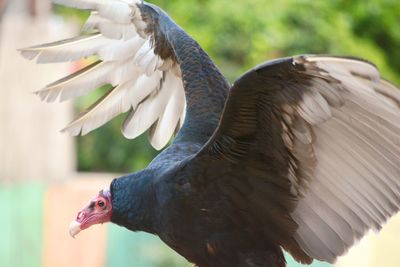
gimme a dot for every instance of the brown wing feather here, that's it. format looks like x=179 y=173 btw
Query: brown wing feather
x=287 y=131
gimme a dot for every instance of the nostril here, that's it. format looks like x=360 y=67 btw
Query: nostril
x=80 y=215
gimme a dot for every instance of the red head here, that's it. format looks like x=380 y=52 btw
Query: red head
x=98 y=210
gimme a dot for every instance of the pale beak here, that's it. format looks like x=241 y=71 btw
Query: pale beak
x=74 y=228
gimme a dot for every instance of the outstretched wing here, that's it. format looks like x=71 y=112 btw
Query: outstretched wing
x=310 y=148
x=133 y=44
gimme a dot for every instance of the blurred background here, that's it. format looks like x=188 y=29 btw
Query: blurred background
x=46 y=176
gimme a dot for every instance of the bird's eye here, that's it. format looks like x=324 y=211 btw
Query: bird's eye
x=100 y=203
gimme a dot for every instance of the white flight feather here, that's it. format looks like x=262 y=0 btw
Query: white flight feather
x=145 y=86
x=93 y=21
x=78 y=83
x=117 y=11
x=124 y=71
x=90 y=78
x=113 y=104
x=354 y=186
x=119 y=49
x=67 y=50
x=147 y=113
x=108 y=28
x=142 y=52
x=169 y=119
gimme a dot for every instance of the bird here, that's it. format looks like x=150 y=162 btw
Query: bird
x=300 y=154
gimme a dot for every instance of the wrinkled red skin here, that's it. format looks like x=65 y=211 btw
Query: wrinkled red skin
x=98 y=210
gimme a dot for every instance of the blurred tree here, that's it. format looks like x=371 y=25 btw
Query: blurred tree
x=245 y=33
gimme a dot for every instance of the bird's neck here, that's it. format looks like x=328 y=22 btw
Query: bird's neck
x=134 y=203
x=205 y=86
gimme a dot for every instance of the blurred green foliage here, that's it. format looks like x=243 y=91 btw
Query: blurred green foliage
x=241 y=34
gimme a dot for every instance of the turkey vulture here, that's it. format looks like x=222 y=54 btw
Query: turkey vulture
x=300 y=153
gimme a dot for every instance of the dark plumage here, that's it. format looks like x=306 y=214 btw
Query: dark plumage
x=300 y=153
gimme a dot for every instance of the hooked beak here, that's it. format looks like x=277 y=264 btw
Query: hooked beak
x=74 y=228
